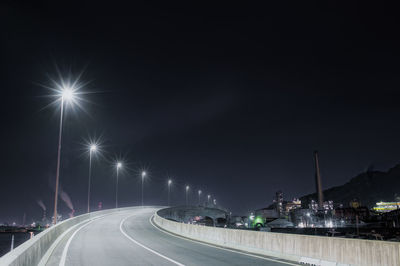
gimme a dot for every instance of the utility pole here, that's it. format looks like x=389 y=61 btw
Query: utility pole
x=12 y=242
x=199 y=196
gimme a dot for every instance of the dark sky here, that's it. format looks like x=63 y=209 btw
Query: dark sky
x=228 y=99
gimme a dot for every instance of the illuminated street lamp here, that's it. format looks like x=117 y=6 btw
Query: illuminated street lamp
x=199 y=192
x=119 y=165
x=143 y=175
x=92 y=149
x=187 y=190
x=208 y=199
x=66 y=94
x=169 y=190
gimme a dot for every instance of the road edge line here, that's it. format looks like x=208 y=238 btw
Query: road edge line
x=43 y=261
x=216 y=246
x=65 y=250
x=143 y=246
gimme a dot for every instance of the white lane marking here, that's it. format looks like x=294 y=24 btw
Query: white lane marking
x=49 y=252
x=65 y=251
x=218 y=247
x=143 y=246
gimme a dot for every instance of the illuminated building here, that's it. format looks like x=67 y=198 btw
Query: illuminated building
x=295 y=204
x=326 y=205
x=386 y=206
x=279 y=202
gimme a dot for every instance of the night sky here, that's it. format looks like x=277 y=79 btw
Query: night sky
x=232 y=100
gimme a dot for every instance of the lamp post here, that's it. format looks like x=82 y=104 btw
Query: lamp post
x=199 y=192
x=169 y=190
x=187 y=190
x=143 y=175
x=208 y=199
x=67 y=94
x=119 y=165
x=93 y=148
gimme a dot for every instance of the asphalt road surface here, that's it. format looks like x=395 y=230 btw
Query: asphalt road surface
x=130 y=238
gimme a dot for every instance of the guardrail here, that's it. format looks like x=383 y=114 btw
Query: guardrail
x=32 y=251
x=313 y=250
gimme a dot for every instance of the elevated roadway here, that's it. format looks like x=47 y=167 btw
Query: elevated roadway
x=129 y=237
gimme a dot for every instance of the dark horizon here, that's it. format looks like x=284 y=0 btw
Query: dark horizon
x=230 y=100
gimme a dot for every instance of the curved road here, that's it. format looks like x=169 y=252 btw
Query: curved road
x=130 y=238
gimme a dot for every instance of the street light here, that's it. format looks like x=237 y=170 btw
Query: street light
x=67 y=94
x=187 y=189
x=143 y=175
x=199 y=192
x=208 y=199
x=169 y=190
x=92 y=149
x=119 y=165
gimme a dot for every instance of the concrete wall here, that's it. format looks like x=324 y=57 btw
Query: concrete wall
x=186 y=213
x=300 y=248
x=31 y=252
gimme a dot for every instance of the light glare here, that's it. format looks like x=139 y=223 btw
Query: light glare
x=67 y=94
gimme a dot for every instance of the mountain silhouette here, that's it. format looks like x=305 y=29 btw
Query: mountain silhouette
x=368 y=187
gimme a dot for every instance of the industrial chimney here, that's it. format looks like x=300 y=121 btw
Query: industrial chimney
x=44 y=218
x=318 y=182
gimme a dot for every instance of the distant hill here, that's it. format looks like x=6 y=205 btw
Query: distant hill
x=368 y=187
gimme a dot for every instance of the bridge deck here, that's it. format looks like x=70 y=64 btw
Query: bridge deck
x=129 y=238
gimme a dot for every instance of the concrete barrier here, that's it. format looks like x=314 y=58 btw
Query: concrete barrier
x=31 y=252
x=299 y=248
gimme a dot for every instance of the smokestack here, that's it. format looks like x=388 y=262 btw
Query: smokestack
x=318 y=182
x=41 y=204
